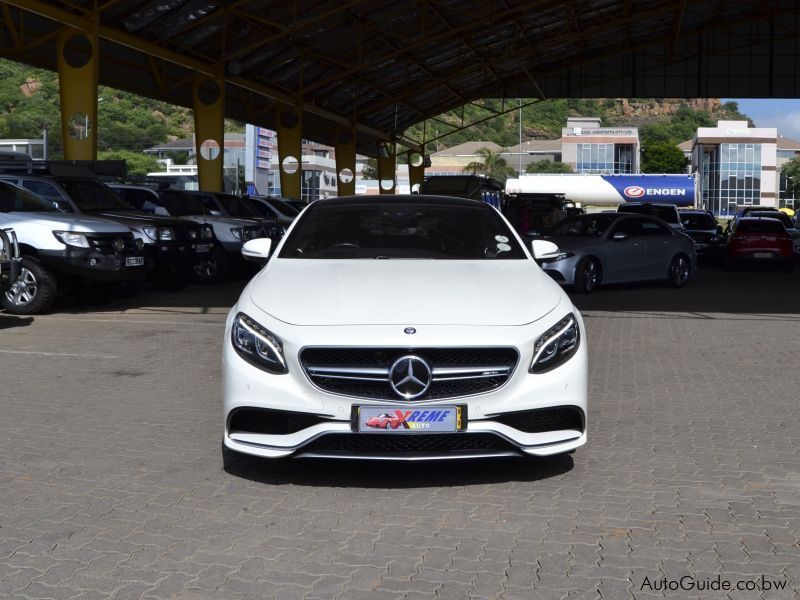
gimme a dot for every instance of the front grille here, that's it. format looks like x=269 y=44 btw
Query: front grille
x=103 y=242
x=269 y=422
x=364 y=372
x=187 y=234
x=366 y=444
x=539 y=420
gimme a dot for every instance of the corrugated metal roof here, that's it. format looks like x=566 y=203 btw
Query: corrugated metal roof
x=388 y=65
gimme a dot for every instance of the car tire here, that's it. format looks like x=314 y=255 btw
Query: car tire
x=213 y=270
x=34 y=291
x=679 y=271
x=588 y=275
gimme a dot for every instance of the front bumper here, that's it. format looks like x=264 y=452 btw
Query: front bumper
x=275 y=416
x=176 y=255
x=91 y=264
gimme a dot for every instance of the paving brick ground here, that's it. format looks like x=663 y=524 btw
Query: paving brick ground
x=111 y=483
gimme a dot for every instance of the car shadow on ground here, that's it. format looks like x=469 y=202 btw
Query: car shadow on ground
x=743 y=291
x=195 y=299
x=381 y=474
x=10 y=321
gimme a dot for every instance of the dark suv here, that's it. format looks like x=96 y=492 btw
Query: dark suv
x=702 y=227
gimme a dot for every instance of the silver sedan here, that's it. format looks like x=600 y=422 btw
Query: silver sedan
x=618 y=248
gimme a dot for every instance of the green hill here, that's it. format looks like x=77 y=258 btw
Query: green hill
x=29 y=103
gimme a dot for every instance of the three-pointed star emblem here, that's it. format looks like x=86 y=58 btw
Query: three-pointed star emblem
x=410 y=377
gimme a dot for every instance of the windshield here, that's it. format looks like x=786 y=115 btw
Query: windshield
x=593 y=225
x=236 y=206
x=401 y=230
x=779 y=216
x=760 y=226
x=665 y=212
x=92 y=196
x=180 y=203
x=284 y=207
x=16 y=199
x=698 y=221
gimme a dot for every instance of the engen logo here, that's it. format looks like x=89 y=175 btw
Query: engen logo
x=633 y=191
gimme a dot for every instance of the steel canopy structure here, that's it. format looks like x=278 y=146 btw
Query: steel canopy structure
x=384 y=66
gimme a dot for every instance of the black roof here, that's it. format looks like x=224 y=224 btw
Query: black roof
x=389 y=65
x=400 y=199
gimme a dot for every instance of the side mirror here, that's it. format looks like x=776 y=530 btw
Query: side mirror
x=620 y=236
x=215 y=213
x=543 y=249
x=160 y=210
x=257 y=250
x=62 y=205
x=719 y=229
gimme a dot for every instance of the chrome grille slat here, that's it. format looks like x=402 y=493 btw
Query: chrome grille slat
x=365 y=372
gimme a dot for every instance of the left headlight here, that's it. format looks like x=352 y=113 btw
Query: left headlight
x=258 y=346
x=72 y=239
x=556 y=346
x=557 y=257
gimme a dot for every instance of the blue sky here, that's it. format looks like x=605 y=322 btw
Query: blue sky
x=781 y=113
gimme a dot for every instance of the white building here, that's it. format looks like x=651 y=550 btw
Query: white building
x=736 y=166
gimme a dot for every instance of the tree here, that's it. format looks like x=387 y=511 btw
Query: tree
x=139 y=164
x=370 y=169
x=492 y=164
x=663 y=157
x=791 y=170
x=546 y=166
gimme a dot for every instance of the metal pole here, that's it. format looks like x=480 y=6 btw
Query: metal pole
x=44 y=139
x=520 y=136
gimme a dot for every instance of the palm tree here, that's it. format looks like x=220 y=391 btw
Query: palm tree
x=491 y=164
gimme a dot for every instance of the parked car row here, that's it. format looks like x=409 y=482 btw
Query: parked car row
x=77 y=235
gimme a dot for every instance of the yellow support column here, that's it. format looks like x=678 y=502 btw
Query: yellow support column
x=386 y=167
x=346 y=162
x=416 y=170
x=77 y=80
x=208 y=99
x=290 y=147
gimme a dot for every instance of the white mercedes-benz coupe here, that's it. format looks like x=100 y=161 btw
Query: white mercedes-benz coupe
x=403 y=328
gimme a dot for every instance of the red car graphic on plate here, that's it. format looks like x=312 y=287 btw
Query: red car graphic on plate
x=384 y=421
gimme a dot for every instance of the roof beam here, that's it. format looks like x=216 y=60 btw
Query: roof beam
x=215 y=70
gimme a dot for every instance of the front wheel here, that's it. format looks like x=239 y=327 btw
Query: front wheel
x=588 y=275
x=34 y=290
x=214 y=268
x=678 y=271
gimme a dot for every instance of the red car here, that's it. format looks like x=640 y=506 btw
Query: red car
x=384 y=421
x=760 y=240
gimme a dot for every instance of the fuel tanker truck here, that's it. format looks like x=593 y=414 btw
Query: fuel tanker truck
x=607 y=190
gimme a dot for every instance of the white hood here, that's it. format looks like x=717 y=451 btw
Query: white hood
x=403 y=292
x=62 y=221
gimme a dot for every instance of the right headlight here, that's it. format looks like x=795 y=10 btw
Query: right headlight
x=151 y=232
x=71 y=238
x=556 y=346
x=258 y=346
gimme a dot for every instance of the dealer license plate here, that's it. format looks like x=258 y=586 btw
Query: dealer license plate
x=383 y=419
x=202 y=248
x=134 y=261
x=762 y=254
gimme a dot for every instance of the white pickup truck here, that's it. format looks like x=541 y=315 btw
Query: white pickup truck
x=62 y=252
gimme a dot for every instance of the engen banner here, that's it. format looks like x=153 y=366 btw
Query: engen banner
x=609 y=190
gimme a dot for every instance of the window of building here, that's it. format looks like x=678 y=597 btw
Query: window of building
x=730 y=176
x=605 y=159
